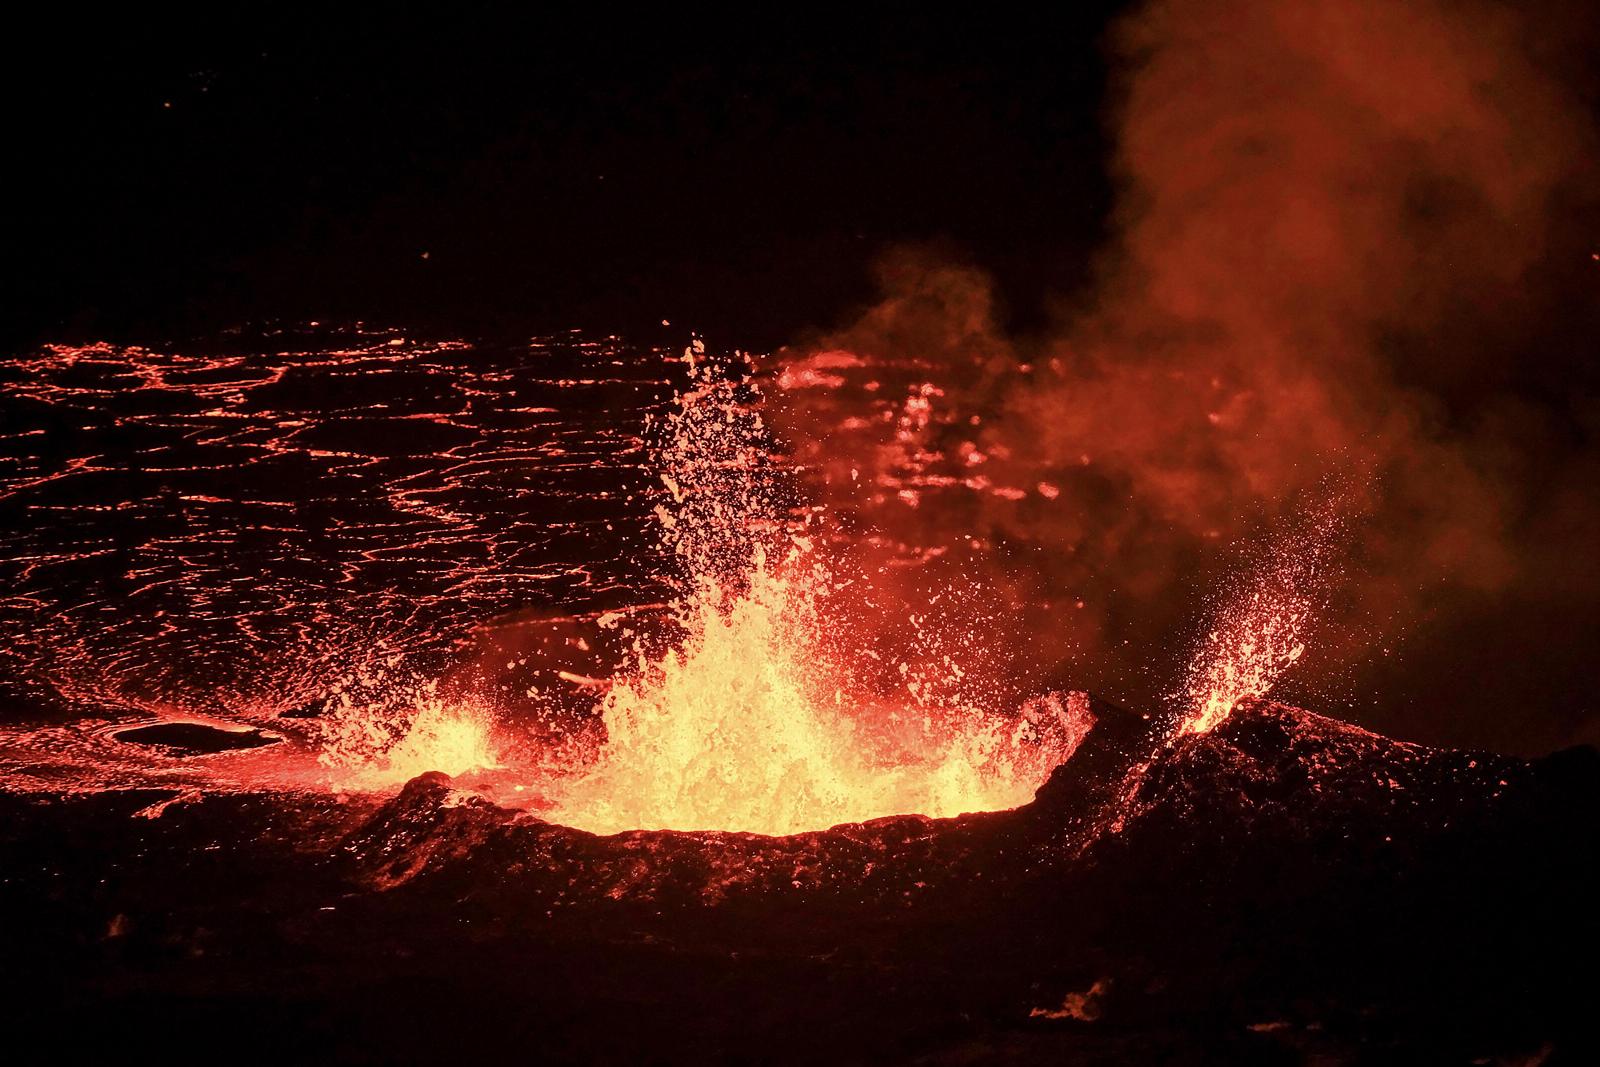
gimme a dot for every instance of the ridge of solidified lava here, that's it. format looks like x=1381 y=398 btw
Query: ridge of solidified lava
x=1272 y=777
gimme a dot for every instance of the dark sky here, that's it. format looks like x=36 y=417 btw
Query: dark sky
x=570 y=167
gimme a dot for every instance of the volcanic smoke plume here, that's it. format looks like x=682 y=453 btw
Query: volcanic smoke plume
x=1339 y=227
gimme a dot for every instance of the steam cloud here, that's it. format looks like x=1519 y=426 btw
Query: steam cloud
x=1347 y=234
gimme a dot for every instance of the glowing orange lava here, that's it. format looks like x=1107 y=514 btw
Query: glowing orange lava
x=745 y=728
x=378 y=747
x=764 y=706
x=1260 y=626
x=1242 y=658
x=751 y=724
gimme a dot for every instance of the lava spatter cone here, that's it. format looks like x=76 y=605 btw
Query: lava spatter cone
x=1273 y=788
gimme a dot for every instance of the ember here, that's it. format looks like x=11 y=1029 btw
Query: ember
x=1260 y=623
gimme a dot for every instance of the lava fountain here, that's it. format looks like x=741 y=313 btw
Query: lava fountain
x=754 y=719
x=1261 y=621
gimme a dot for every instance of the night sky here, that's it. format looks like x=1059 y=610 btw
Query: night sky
x=557 y=167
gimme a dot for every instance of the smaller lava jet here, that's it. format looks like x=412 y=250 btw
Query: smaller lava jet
x=1261 y=621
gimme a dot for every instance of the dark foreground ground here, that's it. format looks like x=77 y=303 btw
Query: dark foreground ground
x=1287 y=889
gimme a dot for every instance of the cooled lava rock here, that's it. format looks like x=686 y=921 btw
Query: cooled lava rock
x=1285 y=888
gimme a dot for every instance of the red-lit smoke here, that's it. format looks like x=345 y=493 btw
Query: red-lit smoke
x=1336 y=231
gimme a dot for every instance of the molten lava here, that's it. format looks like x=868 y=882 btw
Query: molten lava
x=754 y=714
x=752 y=723
x=1259 y=626
x=382 y=746
x=1242 y=658
x=771 y=701
x=745 y=728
